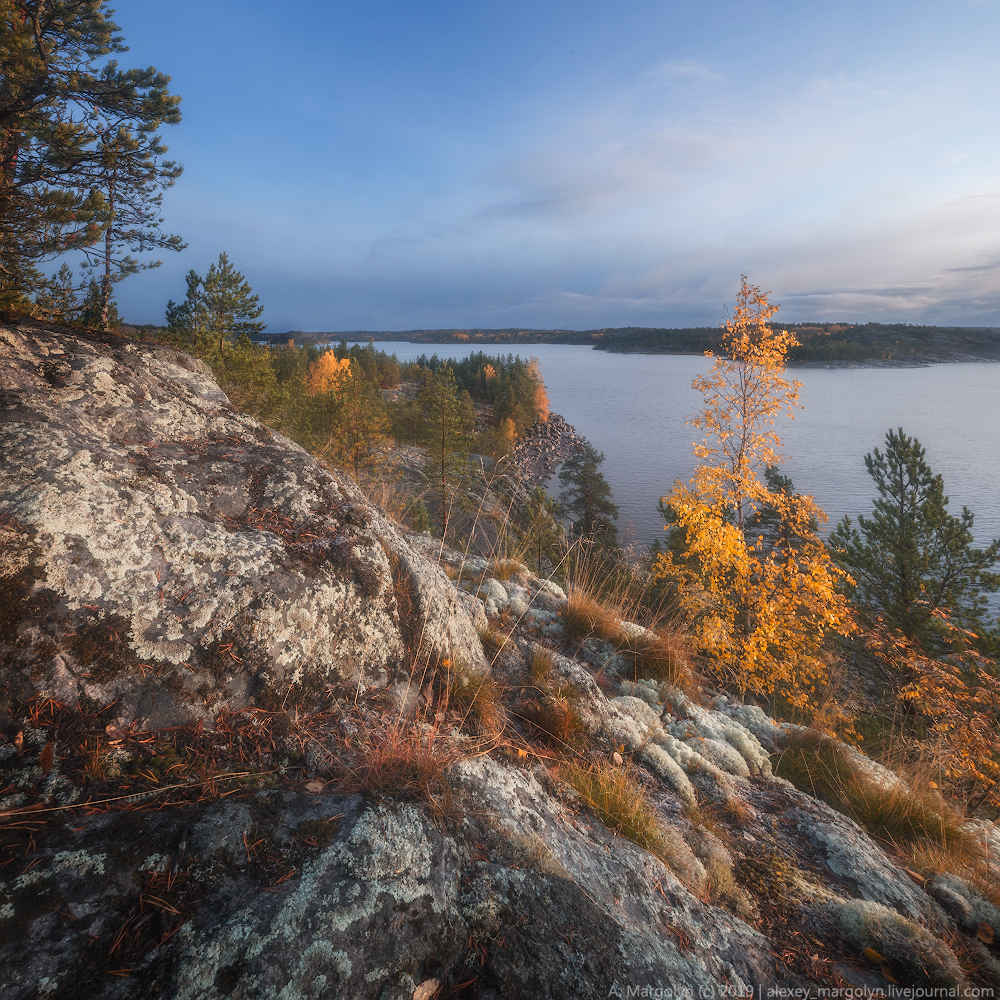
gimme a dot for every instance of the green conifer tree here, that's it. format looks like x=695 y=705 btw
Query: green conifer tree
x=131 y=175
x=57 y=299
x=58 y=92
x=216 y=310
x=448 y=425
x=915 y=568
x=96 y=313
x=585 y=497
x=540 y=533
x=362 y=427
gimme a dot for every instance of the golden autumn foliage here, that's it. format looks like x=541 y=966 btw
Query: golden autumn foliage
x=328 y=373
x=541 y=393
x=961 y=697
x=956 y=697
x=748 y=566
x=506 y=436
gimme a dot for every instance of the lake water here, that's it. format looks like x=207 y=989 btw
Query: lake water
x=633 y=407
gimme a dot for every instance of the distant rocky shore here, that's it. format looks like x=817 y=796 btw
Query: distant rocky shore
x=547 y=444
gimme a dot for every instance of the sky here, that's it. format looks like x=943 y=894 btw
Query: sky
x=389 y=165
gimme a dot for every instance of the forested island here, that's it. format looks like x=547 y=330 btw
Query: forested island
x=819 y=343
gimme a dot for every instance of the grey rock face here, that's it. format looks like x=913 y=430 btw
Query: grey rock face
x=514 y=894
x=167 y=553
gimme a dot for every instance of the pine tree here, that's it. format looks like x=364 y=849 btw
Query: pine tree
x=539 y=532
x=56 y=99
x=217 y=309
x=448 y=424
x=129 y=172
x=57 y=299
x=914 y=566
x=585 y=497
x=96 y=313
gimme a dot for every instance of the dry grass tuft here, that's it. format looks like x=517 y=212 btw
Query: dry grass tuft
x=494 y=637
x=622 y=806
x=661 y=653
x=540 y=665
x=478 y=696
x=932 y=858
x=553 y=714
x=385 y=488
x=585 y=618
x=820 y=765
x=398 y=760
x=505 y=569
x=533 y=853
x=665 y=655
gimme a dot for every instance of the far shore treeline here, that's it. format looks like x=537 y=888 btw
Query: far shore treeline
x=819 y=343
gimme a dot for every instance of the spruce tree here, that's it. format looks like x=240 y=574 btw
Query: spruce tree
x=915 y=569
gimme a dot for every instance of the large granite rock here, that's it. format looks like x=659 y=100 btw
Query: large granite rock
x=166 y=553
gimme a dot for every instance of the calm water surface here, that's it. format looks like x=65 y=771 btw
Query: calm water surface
x=633 y=407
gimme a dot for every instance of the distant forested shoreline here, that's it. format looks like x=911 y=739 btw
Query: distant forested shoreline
x=820 y=343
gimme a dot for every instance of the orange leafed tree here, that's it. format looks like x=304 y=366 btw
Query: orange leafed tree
x=541 y=393
x=743 y=553
x=328 y=373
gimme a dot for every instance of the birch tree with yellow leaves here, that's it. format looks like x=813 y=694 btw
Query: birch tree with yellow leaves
x=743 y=552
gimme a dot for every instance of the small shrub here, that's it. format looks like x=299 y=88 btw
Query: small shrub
x=420 y=520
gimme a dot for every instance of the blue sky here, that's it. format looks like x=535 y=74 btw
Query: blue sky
x=394 y=165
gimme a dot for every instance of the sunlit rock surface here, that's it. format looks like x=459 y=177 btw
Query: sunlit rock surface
x=168 y=554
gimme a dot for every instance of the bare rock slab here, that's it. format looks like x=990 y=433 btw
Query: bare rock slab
x=164 y=552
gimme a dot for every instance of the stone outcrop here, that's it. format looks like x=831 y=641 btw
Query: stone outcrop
x=130 y=481
x=170 y=555
x=545 y=446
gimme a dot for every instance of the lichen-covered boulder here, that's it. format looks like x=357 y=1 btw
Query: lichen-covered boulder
x=287 y=896
x=165 y=553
